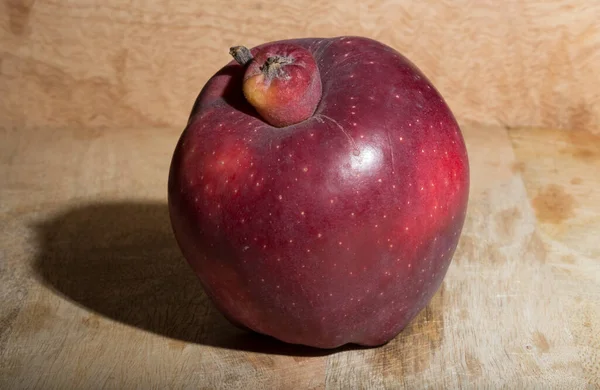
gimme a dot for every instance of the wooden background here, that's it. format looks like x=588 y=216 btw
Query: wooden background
x=140 y=63
x=94 y=292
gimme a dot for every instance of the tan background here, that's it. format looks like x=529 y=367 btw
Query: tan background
x=141 y=63
x=94 y=292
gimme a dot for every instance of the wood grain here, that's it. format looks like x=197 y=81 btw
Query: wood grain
x=95 y=293
x=130 y=64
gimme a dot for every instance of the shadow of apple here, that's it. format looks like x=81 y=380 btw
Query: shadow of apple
x=121 y=261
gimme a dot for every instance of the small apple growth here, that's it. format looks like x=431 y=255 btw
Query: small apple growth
x=281 y=81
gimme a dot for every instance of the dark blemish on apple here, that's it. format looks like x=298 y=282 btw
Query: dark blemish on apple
x=553 y=204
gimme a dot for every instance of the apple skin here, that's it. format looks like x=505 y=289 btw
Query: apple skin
x=335 y=230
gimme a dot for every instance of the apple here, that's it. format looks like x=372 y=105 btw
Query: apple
x=319 y=190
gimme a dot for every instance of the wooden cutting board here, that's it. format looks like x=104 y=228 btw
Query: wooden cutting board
x=95 y=293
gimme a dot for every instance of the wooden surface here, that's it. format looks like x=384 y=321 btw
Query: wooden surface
x=95 y=293
x=107 y=63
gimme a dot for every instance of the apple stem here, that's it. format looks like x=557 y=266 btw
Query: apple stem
x=241 y=54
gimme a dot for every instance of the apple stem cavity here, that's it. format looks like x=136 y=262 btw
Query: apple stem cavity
x=281 y=81
x=274 y=66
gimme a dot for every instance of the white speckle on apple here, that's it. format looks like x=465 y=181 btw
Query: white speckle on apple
x=379 y=180
x=397 y=96
x=381 y=294
x=308 y=251
x=280 y=197
x=305 y=169
x=353 y=123
x=351 y=76
x=301 y=212
x=353 y=113
x=340 y=243
x=391 y=246
x=330 y=294
x=331 y=201
x=409 y=265
x=406 y=228
x=371 y=62
x=352 y=214
x=291 y=241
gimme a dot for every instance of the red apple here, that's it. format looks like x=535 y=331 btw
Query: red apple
x=327 y=213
